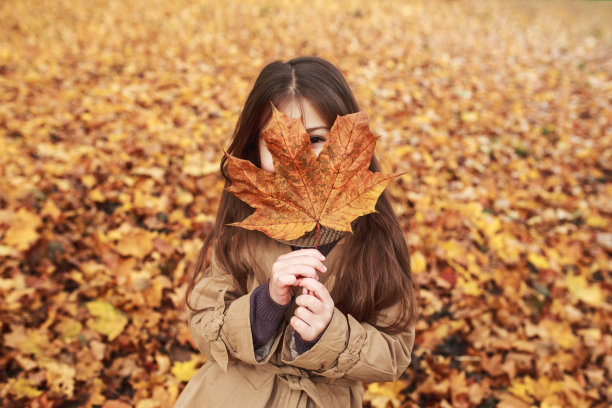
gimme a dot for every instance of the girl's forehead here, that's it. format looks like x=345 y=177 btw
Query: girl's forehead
x=303 y=108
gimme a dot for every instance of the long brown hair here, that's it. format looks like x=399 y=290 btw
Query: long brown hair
x=375 y=272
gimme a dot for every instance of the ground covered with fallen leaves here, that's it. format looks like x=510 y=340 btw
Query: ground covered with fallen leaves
x=113 y=116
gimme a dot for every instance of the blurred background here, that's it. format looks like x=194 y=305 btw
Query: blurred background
x=113 y=117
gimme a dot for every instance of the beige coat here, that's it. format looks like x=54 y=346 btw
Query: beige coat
x=327 y=375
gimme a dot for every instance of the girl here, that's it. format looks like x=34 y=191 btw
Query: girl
x=283 y=324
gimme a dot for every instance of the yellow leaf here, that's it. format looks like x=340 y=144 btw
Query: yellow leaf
x=201 y=218
x=7 y=251
x=197 y=165
x=390 y=389
x=109 y=322
x=96 y=195
x=148 y=403
x=60 y=377
x=153 y=294
x=559 y=332
x=548 y=404
x=184 y=370
x=30 y=341
x=490 y=225
x=592 y=334
x=507 y=247
x=22 y=232
x=469 y=286
x=453 y=250
x=50 y=210
x=538 y=261
x=183 y=197
x=403 y=150
x=523 y=388
x=469 y=117
x=137 y=242
x=155 y=173
x=140 y=280
x=596 y=221
x=383 y=395
x=419 y=263
x=88 y=180
x=21 y=388
x=68 y=328
x=580 y=289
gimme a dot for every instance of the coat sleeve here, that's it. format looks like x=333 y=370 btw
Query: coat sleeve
x=353 y=350
x=221 y=326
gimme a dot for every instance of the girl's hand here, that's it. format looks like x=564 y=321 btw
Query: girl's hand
x=288 y=268
x=315 y=310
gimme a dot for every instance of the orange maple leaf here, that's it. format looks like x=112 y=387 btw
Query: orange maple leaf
x=307 y=191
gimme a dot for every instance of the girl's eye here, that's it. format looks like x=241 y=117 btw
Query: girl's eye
x=316 y=139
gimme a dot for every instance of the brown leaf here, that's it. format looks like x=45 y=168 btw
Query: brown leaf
x=307 y=191
x=137 y=242
x=115 y=404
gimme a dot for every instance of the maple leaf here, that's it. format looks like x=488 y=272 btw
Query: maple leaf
x=306 y=190
x=110 y=320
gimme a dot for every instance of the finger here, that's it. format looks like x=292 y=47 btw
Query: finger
x=300 y=252
x=308 y=260
x=310 y=302
x=317 y=287
x=299 y=271
x=301 y=260
x=300 y=326
x=304 y=271
x=287 y=280
x=306 y=315
x=304 y=291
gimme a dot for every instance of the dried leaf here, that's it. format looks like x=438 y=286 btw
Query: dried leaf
x=109 y=322
x=418 y=262
x=23 y=230
x=184 y=370
x=21 y=388
x=137 y=242
x=60 y=377
x=580 y=289
x=307 y=191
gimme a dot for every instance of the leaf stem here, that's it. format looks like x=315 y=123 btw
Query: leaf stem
x=318 y=235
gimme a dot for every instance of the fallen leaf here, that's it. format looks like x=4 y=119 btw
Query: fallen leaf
x=136 y=242
x=581 y=290
x=60 y=377
x=418 y=262
x=538 y=261
x=22 y=232
x=184 y=370
x=28 y=341
x=21 y=388
x=109 y=322
x=115 y=404
x=383 y=395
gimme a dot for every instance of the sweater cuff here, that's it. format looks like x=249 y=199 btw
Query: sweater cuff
x=302 y=345
x=266 y=315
